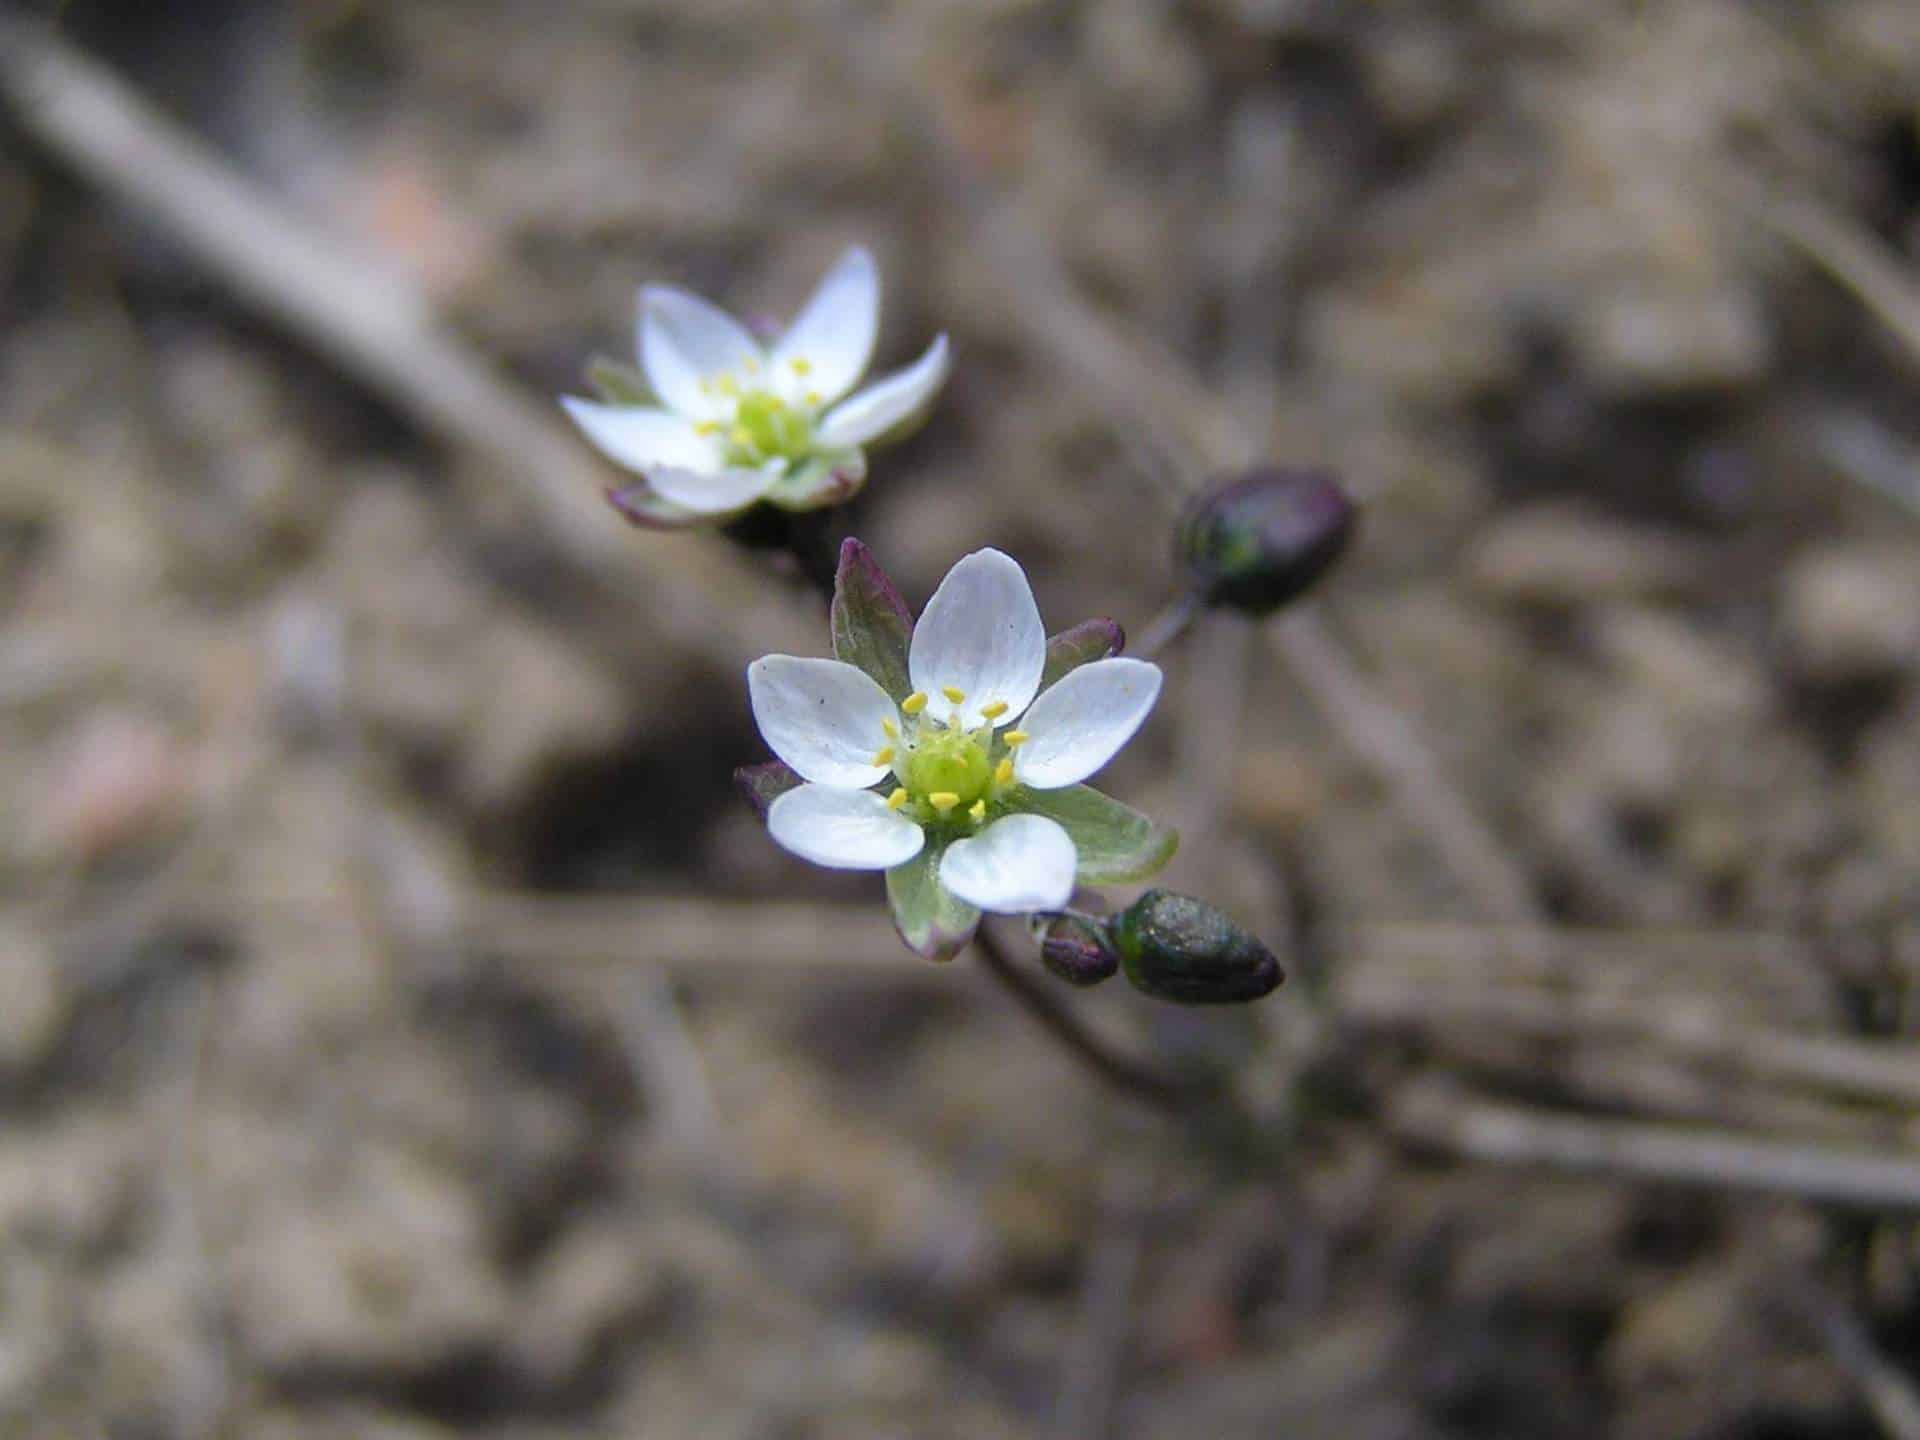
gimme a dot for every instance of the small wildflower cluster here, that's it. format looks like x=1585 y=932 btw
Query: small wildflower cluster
x=950 y=754
x=714 y=422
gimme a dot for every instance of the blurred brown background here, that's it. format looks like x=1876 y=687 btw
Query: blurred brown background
x=396 y=1035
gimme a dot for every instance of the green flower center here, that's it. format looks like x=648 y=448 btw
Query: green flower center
x=764 y=428
x=946 y=762
x=950 y=777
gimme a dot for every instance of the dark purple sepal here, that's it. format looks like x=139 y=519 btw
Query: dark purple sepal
x=638 y=505
x=1076 y=951
x=1084 y=643
x=765 y=783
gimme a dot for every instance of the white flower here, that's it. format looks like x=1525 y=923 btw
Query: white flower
x=975 y=773
x=736 y=422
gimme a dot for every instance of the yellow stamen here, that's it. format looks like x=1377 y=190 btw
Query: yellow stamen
x=750 y=365
x=726 y=385
x=1003 y=772
x=994 y=711
x=892 y=730
x=801 y=365
x=814 y=397
x=897 y=799
x=1016 y=738
x=914 y=703
x=741 y=436
x=943 y=800
x=883 y=756
x=977 y=811
x=706 y=427
x=956 y=696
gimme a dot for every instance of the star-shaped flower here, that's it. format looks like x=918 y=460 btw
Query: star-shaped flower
x=714 y=422
x=950 y=754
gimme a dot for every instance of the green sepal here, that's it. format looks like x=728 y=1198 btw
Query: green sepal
x=934 y=923
x=1086 y=642
x=1115 y=843
x=617 y=383
x=765 y=783
x=872 y=626
x=832 y=478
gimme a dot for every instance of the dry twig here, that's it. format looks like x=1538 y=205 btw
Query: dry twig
x=1433 y=1114
x=350 y=308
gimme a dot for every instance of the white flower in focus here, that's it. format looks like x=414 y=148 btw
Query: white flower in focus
x=730 y=422
x=966 y=788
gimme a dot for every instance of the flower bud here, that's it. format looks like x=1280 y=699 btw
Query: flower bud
x=1256 y=542
x=1077 y=952
x=1176 y=948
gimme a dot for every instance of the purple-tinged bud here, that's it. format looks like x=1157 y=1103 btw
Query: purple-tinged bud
x=1077 y=951
x=1259 y=540
x=1177 y=948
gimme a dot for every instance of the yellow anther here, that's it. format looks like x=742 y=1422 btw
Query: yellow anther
x=706 y=427
x=892 y=730
x=914 y=703
x=741 y=436
x=956 y=696
x=750 y=365
x=801 y=365
x=1016 y=738
x=943 y=800
x=977 y=811
x=1003 y=772
x=897 y=799
x=883 y=756
x=994 y=711
x=726 y=384
x=814 y=397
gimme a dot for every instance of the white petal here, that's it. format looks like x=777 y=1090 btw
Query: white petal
x=844 y=829
x=1017 y=864
x=685 y=344
x=823 y=717
x=641 y=437
x=833 y=335
x=889 y=402
x=1082 y=719
x=713 y=492
x=981 y=635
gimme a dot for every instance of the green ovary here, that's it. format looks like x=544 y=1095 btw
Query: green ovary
x=948 y=762
x=765 y=428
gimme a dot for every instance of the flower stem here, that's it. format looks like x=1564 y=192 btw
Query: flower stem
x=1131 y=1077
x=1168 y=626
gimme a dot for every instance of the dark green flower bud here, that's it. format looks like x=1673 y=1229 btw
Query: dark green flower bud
x=1176 y=948
x=1077 y=951
x=1258 y=541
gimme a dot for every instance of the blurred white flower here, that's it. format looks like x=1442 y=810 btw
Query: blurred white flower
x=941 y=787
x=730 y=422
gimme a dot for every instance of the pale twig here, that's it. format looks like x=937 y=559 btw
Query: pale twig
x=1434 y=1115
x=1886 y=1073
x=363 y=317
x=1090 y=1372
x=1889 y=1392
x=1381 y=735
x=667 y=1060
x=1848 y=254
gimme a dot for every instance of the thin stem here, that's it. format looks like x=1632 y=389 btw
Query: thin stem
x=1131 y=1077
x=1168 y=626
